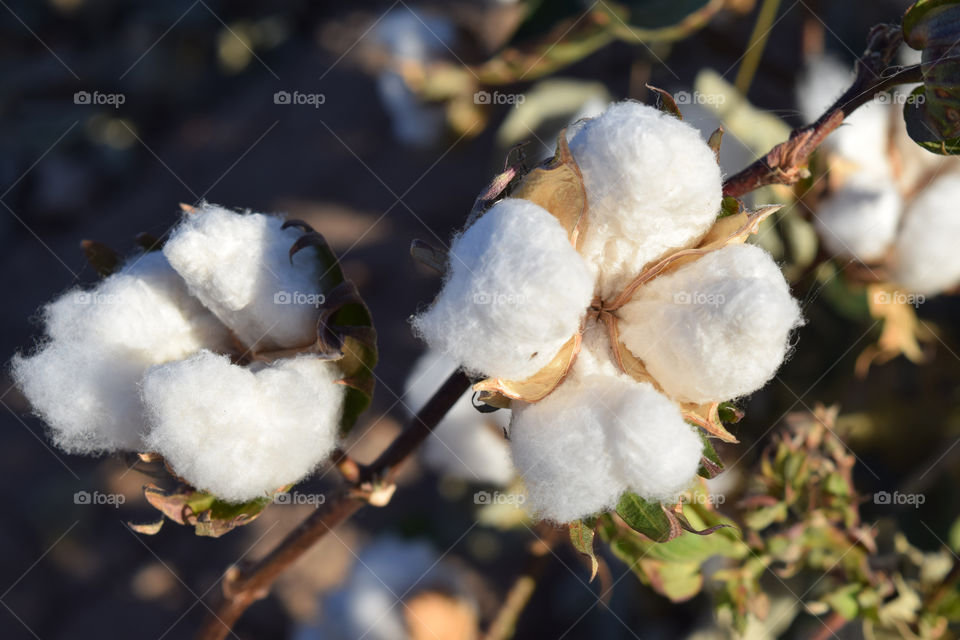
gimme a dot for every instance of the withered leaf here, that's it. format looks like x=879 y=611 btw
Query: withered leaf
x=541 y=384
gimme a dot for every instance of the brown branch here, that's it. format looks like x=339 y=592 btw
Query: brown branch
x=244 y=586
x=786 y=163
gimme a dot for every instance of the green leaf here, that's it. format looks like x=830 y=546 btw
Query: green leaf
x=730 y=206
x=646 y=517
x=924 y=130
x=710 y=464
x=209 y=515
x=582 y=535
x=928 y=19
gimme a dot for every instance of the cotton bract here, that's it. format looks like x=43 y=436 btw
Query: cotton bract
x=516 y=291
x=239 y=433
x=466 y=444
x=83 y=379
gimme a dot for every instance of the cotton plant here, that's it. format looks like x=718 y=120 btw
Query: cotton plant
x=466 y=444
x=888 y=208
x=224 y=353
x=611 y=303
x=397 y=589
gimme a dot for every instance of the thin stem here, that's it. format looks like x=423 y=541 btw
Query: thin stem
x=757 y=44
x=244 y=586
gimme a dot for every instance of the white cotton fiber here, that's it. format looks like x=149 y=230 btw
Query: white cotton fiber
x=466 y=444
x=83 y=380
x=714 y=329
x=515 y=292
x=860 y=220
x=926 y=259
x=864 y=137
x=241 y=434
x=652 y=185
x=371 y=603
x=238 y=265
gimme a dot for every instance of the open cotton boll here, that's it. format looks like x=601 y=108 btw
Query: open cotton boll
x=716 y=328
x=925 y=259
x=466 y=443
x=652 y=185
x=366 y=604
x=83 y=380
x=239 y=267
x=515 y=292
x=860 y=220
x=242 y=434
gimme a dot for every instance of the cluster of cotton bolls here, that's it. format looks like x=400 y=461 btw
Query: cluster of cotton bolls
x=466 y=444
x=517 y=290
x=891 y=201
x=396 y=590
x=148 y=360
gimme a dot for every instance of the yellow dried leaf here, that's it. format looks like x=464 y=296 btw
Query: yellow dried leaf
x=707 y=417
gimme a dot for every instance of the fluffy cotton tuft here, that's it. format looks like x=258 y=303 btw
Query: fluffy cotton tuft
x=242 y=434
x=652 y=185
x=238 y=265
x=714 y=329
x=581 y=447
x=466 y=443
x=860 y=220
x=926 y=259
x=365 y=605
x=516 y=291
x=83 y=380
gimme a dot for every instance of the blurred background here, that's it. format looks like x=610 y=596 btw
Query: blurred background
x=379 y=123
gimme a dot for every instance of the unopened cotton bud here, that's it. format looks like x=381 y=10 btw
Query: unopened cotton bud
x=652 y=185
x=238 y=433
x=925 y=258
x=83 y=380
x=239 y=266
x=860 y=220
x=516 y=291
x=714 y=329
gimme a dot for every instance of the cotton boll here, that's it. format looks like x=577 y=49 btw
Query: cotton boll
x=926 y=260
x=714 y=329
x=466 y=443
x=860 y=220
x=652 y=185
x=654 y=450
x=515 y=292
x=239 y=267
x=83 y=380
x=242 y=434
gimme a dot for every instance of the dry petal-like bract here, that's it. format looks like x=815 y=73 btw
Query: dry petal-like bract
x=239 y=267
x=860 y=220
x=515 y=293
x=926 y=259
x=241 y=433
x=714 y=329
x=652 y=184
x=83 y=380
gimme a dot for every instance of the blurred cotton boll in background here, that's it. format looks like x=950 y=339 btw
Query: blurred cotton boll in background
x=397 y=590
x=466 y=444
